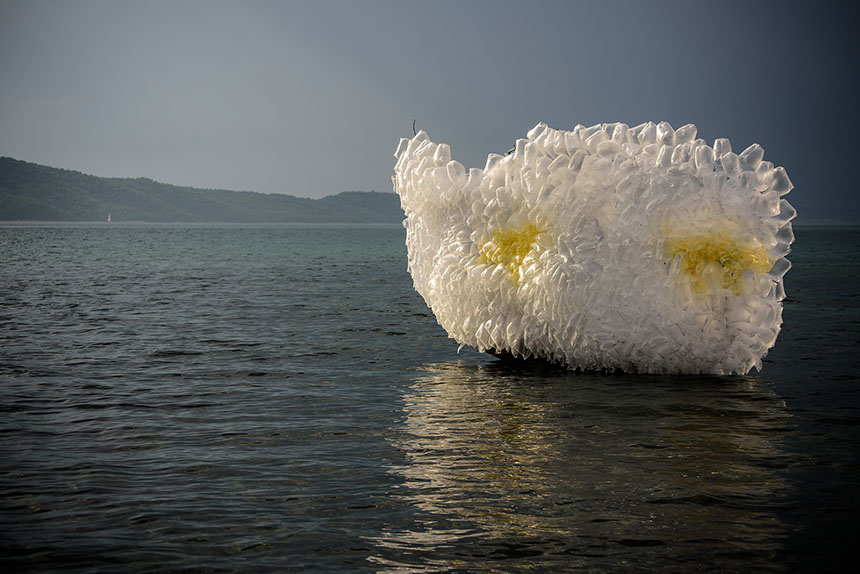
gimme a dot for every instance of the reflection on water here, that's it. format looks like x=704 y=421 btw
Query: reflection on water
x=514 y=469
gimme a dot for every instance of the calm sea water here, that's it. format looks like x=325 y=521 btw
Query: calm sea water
x=227 y=398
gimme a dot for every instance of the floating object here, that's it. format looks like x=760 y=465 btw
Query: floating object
x=604 y=248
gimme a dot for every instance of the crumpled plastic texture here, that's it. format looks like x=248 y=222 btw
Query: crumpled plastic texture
x=604 y=248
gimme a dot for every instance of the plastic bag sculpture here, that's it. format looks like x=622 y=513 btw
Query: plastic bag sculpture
x=604 y=248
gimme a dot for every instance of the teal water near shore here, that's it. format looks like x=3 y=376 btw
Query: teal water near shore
x=211 y=398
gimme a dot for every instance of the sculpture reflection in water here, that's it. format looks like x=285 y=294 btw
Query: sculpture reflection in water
x=513 y=468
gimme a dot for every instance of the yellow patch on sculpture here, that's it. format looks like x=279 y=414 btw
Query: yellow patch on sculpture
x=716 y=259
x=511 y=248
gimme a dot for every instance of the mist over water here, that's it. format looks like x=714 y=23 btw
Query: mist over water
x=278 y=398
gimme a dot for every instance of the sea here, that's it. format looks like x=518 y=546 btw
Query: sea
x=278 y=398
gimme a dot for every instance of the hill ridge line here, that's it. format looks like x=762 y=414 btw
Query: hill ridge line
x=34 y=192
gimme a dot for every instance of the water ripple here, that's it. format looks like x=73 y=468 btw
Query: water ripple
x=279 y=399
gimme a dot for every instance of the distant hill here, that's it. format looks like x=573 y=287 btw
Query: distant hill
x=31 y=192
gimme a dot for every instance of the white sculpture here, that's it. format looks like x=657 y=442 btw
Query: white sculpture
x=606 y=247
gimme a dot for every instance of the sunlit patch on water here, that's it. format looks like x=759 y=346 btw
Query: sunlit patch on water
x=518 y=468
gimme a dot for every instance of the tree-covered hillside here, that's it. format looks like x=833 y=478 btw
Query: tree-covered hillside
x=31 y=192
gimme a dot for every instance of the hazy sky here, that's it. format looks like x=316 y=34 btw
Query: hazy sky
x=310 y=98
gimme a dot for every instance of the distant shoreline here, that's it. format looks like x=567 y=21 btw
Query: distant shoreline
x=32 y=192
x=45 y=223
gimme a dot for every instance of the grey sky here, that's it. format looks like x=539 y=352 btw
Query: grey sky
x=310 y=98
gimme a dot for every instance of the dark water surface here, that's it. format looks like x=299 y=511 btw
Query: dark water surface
x=206 y=399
